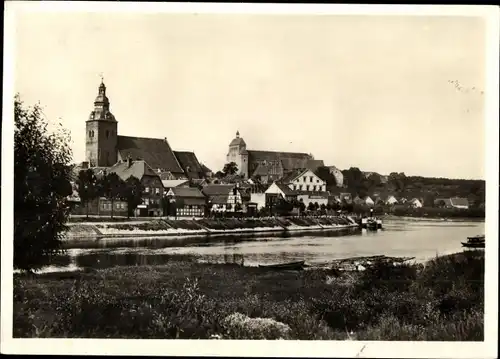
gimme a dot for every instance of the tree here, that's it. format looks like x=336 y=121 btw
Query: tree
x=87 y=187
x=42 y=185
x=219 y=174
x=113 y=188
x=230 y=168
x=302 y=206
x=133 y=194
x=324 y=173
x=310 y=207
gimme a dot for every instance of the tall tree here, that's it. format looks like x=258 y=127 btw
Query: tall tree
x=87 y=187
x=113 y=188
x=230 y=168
x=133 y=194
x=42 y=175
x=324 y=173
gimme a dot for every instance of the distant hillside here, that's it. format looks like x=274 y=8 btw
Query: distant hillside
x=426 y=188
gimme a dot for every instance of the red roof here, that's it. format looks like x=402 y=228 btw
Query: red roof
x=156 y=152
x=190 y=164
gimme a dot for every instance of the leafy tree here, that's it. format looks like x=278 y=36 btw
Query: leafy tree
x=323 y=172
x=310 y=206
x=302 y=206
x=133 y=190
x=87 y=187
x=42 y=185
x=229 y=206
x=113 y=188
x=219 y=174
x=230 y=168
x=237 y=207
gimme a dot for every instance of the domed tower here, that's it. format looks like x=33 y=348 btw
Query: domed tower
x=101 y=133
x=238 y=154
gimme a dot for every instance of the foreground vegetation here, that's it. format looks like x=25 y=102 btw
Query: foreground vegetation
x=442 y=300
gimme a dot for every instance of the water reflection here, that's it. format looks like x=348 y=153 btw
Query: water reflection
x=422 y=240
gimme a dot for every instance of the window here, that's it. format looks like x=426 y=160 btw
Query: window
x=307 y=188
x=301 y=187
x=304 y=178
x=157 y=190
x=310 y=179
x=314 y=188
x=146 y=189
x=146 y=201
x=118 y=205
x=107 y=133
x=317 y=181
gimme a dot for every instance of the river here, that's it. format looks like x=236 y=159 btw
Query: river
x=420 y=239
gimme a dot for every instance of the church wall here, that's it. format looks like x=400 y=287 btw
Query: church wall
x=101 y=140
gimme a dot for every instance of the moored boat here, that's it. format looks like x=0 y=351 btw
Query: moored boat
x=475 y=242
x=473 y=245
x=285 y=266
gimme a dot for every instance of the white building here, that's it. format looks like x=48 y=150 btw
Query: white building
x=390 y=200
x=368 y=201
x=304 y=180
x=415 y=203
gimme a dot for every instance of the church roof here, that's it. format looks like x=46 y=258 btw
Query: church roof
x=313 y=165
x=217 y=189
x=138 y=169
x=289 y=160
x=156 y=152
x=237 y=141
x=189 y=164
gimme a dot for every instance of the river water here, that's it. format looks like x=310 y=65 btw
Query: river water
x=420 y=239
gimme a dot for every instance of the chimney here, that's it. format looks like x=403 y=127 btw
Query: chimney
x=85 y=165
x=165 y=139
x=129 y=161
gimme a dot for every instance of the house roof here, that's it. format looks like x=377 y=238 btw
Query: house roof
x=137 y=169
x=219 y=199
x=293 y=174
x=217 y=189
x=205 y=168
x=457 y=201
x=156 y=152
x=173 y=183
x=313 y=165
x=286 y=190
x=190 y=164
x=187 y=192
x=289 y=160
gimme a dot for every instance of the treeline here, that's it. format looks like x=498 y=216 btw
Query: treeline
x=427 y=188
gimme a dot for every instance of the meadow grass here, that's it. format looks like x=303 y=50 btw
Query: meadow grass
x=442 y=300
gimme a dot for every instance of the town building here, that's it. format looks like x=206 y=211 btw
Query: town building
x=105 y=147
x=459 y=203
x=223 y=197
x=391 y=200
x=304 y=180
x=415 y=203
x=153 y=186
x=269 y=165
x=186 y=202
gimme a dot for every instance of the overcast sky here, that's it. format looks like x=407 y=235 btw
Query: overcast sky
x=367 y=91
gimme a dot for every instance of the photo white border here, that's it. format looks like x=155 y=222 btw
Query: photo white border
x=381 y=349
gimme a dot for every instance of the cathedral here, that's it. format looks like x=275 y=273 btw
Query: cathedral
x=104 y=147
x=268 y=165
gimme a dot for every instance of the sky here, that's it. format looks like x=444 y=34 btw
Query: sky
x=372 y=92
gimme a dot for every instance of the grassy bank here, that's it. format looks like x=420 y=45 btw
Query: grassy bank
x=441 y=301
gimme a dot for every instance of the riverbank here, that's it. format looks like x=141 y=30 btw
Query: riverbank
x=430 y=219
x=205 y=226
x=188 y=300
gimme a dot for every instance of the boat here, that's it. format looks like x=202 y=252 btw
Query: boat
x=371 y=223
x=473 y=244
x=285 y=266
x=479 y=237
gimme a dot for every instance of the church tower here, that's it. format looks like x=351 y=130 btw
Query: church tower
x=101 y=133
x=238 y=154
